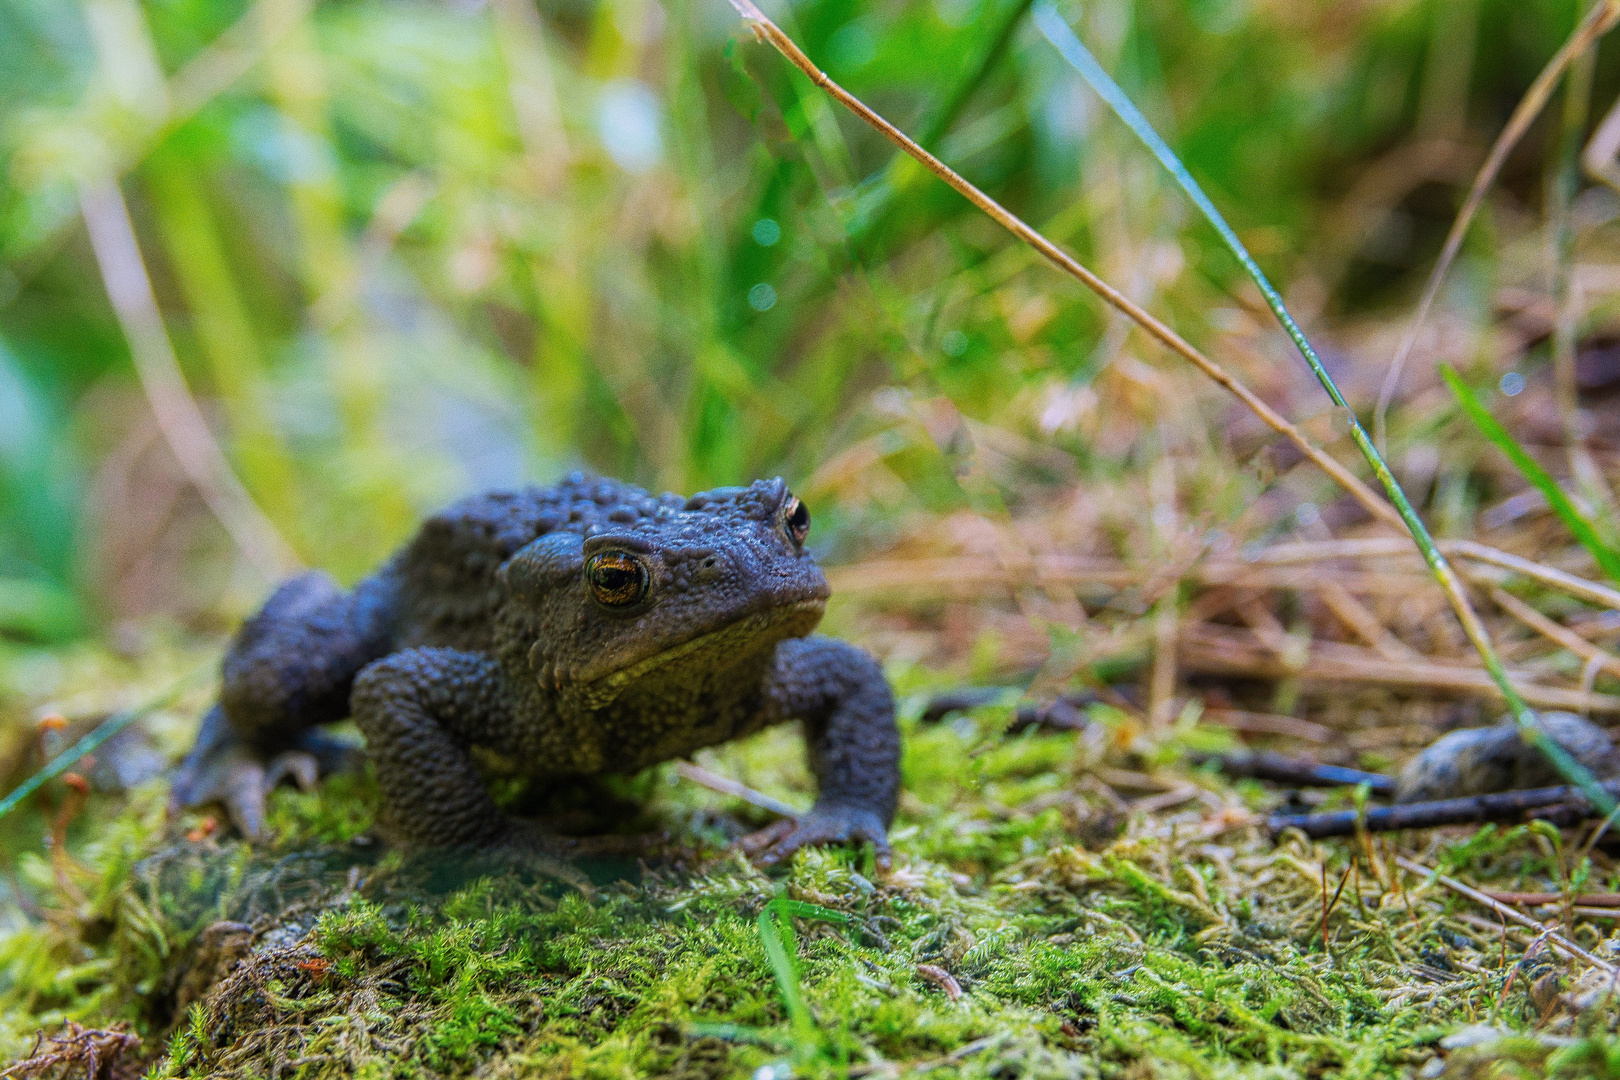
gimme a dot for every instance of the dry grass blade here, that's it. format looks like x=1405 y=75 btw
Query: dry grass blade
x=969 y=574
x=1356 y=618
x=1549 y=629
x=1604 y=900
x=1598 y=159
x=1598 y=22
x=1220 y=650
x=726 y=786
x=769 y=32
x=1309 y=551
x=1560 y=942
x=181 y=421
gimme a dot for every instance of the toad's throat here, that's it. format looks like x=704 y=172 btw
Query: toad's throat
x=729 y=641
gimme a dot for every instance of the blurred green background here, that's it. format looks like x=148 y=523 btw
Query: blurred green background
x=403 y=250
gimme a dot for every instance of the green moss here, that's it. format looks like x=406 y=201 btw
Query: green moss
x=1167 y=949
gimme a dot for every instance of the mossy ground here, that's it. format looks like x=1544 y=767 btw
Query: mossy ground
x=1088 y=939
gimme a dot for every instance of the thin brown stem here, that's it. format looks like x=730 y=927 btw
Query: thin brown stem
x=772 y=34
x=727 y=786
x=1503 y=911
x=1552 y=631
x=123 y=271
x=1598 y=22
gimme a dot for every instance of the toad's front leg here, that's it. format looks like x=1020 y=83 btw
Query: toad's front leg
x=421 y=711
x=840 y=694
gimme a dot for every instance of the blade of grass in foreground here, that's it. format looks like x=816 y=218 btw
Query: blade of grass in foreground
x=781 y=951
x=1575 y=521
x=1057 y=32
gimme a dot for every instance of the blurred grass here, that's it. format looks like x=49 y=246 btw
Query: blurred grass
x=418 y=248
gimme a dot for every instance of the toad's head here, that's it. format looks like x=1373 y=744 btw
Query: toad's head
x=673 y=596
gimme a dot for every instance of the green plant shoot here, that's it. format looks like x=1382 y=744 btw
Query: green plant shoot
x=1579 y=525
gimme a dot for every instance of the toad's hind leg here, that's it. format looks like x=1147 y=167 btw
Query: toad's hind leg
x=421 y=711
x=288 y=669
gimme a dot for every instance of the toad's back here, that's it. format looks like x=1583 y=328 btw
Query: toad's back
x=445 y=578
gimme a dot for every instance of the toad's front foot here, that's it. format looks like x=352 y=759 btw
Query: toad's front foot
x=223 y=768
x=824 y=824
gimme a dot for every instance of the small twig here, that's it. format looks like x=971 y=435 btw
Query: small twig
x=726 y=786
x=1563 y=943
x=1531 y=899
x=1267 y=765
x=1598 y=22
x=1063 y=713
x=1152 y=804
x=1475 y=809
x=1268 y=724
x=942 y=979
x=1552 y=631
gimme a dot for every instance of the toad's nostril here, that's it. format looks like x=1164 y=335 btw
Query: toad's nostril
x=708 y=564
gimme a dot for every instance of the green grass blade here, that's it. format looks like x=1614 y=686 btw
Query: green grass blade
x=105 y=730
x=1063 y=39
x=1576 y=522
x=781 y=952
x=803 y=909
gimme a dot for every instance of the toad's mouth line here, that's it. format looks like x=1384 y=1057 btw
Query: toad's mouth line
x=603 y=689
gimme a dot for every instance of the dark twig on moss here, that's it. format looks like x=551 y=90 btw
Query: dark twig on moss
x=1476 y=809
x=942 y=979
x=1063 y=713
x=1268 y=765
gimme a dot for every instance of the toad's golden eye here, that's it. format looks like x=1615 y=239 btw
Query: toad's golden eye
x=796 y=519
x=616 y=579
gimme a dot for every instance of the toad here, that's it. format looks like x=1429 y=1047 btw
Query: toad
x=587 y=628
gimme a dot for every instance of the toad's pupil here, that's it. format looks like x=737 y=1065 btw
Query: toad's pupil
x=617 y=579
